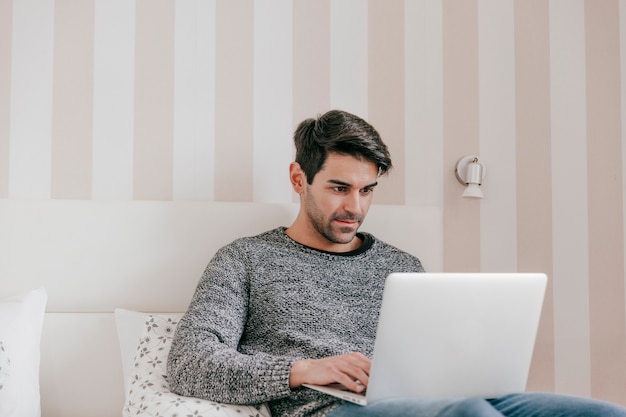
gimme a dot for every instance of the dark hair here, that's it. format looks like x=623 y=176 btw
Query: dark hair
x=339 y=132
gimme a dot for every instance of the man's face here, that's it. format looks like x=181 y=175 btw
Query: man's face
x=338 y=199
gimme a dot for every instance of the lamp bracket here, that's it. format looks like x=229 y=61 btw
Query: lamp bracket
x=461 y=168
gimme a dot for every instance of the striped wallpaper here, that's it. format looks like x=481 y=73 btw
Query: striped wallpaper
x=197 y=100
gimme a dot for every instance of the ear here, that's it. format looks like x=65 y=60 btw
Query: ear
x=297 y=177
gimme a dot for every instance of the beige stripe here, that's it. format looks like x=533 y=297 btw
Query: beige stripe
x=72 y=99
x=570 y=214
x=386 y=89
x=496 y=40
x=606 y=247
x=534 y=208
x=460 y=132
x=311 y=58
x=154 y=100
x=234 y=100
x=6 y=27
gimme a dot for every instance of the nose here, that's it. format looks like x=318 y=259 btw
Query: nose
x=352 y=203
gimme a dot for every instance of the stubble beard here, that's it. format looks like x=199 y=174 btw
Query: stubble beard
x=325 y=227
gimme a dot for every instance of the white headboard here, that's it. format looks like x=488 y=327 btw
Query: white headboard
x=93 y=257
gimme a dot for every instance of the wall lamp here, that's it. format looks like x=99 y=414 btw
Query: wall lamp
x=470 y=172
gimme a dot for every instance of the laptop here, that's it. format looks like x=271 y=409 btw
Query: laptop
x=444 y=335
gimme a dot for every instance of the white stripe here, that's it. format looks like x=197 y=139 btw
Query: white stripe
x=194 y=100
x=272 y=100
x=424 y=102
x=348 y=56
x=496 y=63
x=31 y=99
x=569 y=197
x=114 y=87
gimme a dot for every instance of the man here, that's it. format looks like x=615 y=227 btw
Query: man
x=300 y=304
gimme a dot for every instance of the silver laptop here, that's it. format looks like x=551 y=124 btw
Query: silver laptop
x=453 y=335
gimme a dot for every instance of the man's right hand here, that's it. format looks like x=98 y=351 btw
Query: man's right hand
x=345 y=369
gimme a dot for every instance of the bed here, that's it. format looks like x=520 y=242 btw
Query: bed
x=107 y=267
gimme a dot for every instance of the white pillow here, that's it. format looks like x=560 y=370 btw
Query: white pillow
x=21 y=320
x=147 y=387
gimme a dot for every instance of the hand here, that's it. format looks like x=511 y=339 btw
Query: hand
x=345 y=369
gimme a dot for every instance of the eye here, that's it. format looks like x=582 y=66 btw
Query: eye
x=340 y=189
x=368 y=190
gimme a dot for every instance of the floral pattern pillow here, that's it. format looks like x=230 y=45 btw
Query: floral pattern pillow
x=148 y=389
x=5 y=365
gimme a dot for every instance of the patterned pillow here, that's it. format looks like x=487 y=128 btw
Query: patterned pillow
x=5 y=365
x=148 y=389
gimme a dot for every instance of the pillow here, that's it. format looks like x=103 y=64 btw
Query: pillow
x=21 y=321
x=148 y=390
x=129 y=325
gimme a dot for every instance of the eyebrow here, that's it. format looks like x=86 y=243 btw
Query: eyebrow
x=346 y=184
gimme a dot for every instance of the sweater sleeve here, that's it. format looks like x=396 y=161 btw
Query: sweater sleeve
x=204 y=361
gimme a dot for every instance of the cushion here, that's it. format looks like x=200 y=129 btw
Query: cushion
x=148 y=390
x=129 y=325
x=21 y=321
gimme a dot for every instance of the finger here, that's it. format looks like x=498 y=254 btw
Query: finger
x=359 y=376
x=351 y=384
x=361 y=366
x=354 y=372
x=356 y=359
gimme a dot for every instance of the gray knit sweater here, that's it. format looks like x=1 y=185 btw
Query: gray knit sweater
x=264 y=302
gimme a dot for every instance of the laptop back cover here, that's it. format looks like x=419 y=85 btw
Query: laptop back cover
x=455 y=334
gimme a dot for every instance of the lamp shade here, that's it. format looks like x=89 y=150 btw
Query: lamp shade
x=470 y=172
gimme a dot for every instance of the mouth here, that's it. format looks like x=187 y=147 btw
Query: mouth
x=351 y=223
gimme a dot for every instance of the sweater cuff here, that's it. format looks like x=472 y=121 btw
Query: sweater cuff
x=275 y=380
